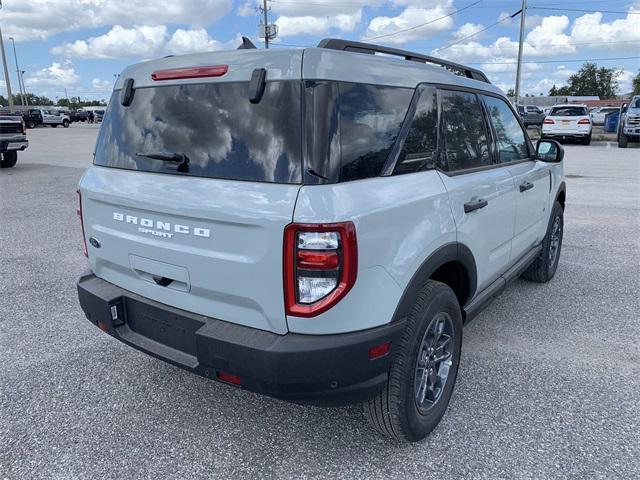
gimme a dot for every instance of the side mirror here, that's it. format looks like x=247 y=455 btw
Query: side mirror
x=549 y=151
x=624 y=107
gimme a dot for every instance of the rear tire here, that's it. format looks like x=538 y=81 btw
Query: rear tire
x=545 y=265
x=31 y=124
x=55 y=125
x=9 y=159
x=65 y=123
x=586 y=140
x=424 y=369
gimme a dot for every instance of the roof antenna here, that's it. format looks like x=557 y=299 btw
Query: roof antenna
x=246 y=44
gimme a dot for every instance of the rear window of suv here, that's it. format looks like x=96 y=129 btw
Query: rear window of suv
x=568 y=112
x=213 y=125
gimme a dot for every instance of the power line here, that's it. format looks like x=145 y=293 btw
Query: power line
x=423 y=24
x=629 y=12
x=557 y=61
x=477 y=33
x=328 y=5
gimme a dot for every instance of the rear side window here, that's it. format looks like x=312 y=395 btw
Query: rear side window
x=512 y=144
x=421 y=142
x=213 y=125
x=370 y=120
x=568 y=111
x=465 y=132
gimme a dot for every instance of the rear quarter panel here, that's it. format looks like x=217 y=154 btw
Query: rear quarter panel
x=399 y=221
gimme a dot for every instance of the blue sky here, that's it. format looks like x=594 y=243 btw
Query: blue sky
x=81 y=44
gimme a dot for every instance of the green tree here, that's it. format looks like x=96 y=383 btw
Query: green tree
x=636 y=84
x=591 y=80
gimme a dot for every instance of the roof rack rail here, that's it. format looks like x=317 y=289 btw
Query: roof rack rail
x=361 y=47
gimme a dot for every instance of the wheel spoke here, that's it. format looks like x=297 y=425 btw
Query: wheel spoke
x=444 y=356
x=433 y=362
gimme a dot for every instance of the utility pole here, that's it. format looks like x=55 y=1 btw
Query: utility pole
x=523 y=12
x=20 y=86
x=266 y=24
x=266 y=30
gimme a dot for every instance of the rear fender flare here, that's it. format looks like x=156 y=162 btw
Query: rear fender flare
x=450 y=252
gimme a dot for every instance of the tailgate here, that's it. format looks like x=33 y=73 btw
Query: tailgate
x=203 y=233
x=212 y=247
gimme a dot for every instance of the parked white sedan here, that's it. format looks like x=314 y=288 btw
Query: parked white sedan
x=599 y=114
x=568 y=121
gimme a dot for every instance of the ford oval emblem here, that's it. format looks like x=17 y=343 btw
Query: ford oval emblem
x=94 y=242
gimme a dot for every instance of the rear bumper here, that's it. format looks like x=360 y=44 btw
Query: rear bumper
x=9 y=145
x=316 y=369
x=565 y=134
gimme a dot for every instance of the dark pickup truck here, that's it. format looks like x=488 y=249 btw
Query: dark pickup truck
x=79 y=116
x=13 y=138
x=531 y=114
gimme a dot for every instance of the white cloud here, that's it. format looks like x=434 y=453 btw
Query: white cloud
x=247 y=9
x=101 y=86
x=309 y=25
x=591 y=28
x=548 y=37
x=142 y=42
x=56 y=75
x=499 y=65
x=468 y=29
x=190 y=41
x=315 y=18
x=557 y=77
x=625 y=81
x=40 y=19
x=532 y=21
x=410 y=17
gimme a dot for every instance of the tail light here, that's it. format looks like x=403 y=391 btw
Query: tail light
x=79 y=212
x=190 y=72
x=548 y=121
x=584 y=121
x=24 y=127
x=320 y=266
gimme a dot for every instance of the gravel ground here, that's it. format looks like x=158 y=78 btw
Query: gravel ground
x=549 y=385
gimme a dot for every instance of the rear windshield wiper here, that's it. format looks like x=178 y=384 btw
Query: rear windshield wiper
x=180 y=158
x=165 y=157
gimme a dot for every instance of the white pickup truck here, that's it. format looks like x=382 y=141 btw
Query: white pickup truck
x=41 y=116
x=13 y=137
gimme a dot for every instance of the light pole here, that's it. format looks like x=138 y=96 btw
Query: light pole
x=519 y=67
x=6 y=70
x=15 y=56
x=24 y=87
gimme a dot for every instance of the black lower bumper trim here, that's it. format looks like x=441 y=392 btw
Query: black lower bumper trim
x=317 y=369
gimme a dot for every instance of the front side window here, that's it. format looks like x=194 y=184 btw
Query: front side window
x=511 y=140
x=370 y=118
x=465 y=132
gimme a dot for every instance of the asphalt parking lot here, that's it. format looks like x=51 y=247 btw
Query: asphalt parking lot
x=549 y=385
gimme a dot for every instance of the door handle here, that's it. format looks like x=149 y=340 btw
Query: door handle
x=526 y=186
x=475 y=205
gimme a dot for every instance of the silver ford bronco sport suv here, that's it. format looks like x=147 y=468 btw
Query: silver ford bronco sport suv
x=315 y=225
